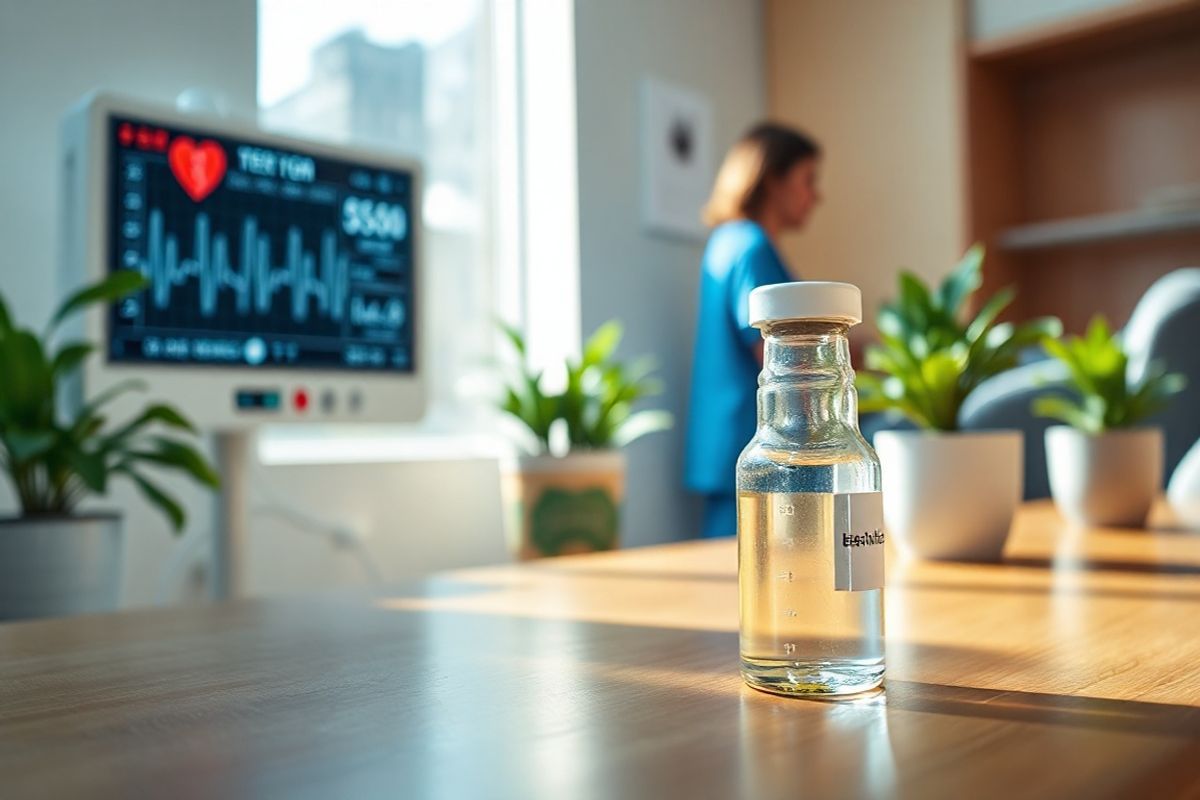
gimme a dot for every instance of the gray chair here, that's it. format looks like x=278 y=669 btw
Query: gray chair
x=1165 y=326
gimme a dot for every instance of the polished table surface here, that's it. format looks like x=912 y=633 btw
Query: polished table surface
x=1070 y=670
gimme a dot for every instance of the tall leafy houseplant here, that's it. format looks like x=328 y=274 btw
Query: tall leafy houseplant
x=52 y=459
x=946 y=493
x=930 y=357
x=55 y=561
x=595 y=406
x=1104 y=468
x=565 y=495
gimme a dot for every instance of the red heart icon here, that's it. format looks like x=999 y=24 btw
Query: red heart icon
x=198 y=167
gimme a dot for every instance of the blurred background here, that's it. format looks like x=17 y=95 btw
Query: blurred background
x=1072 y=151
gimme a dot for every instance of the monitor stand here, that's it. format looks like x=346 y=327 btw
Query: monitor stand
x=229 y=541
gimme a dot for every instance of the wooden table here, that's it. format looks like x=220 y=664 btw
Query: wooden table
x=1072 y=670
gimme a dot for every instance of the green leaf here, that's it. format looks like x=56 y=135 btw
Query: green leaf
x=534 y=408
x=1172 y=383
x=870 y=393
x=915 y=302
x=90 y=468
x=169 y=416
x=1098 y=334
x=86 y=427
x=26 y=384
x=1064 y=410
x=988 y=314
x=892 y=322
x=892 y=356
x=1153 y=394
x=70 y=356
x=1066 y=355
x=115 y=286
x=638 y=425
x=571 y=405
x=526 y=403
x=111 y=393
x=646 y=387
x=940 y=374
x=23 y=445
x=1035 y=330
x=965 y=278
x=910 y=400
x=641 y=368
x=157 y=412
x=603 y=343
x=177 y=455
x=511 y=402
x=999 y=349
x=514 y=337
x=6 y=325
x=160 y=499
x=890 y=394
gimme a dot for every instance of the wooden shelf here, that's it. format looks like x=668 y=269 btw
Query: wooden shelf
x=1107 y=27
x=1099 y=228
x=1067 y=123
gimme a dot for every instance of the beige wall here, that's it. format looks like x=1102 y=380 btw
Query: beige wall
x=877 y=84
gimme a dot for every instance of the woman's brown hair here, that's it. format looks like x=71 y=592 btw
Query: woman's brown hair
x=764 y=152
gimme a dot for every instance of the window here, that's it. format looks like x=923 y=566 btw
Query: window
x=415 y=77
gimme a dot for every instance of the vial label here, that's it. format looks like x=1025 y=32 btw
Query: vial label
x=858 y=539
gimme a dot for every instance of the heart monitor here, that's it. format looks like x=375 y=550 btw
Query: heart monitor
x=277 y=268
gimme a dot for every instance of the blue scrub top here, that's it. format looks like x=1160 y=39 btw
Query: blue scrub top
x=722 y=416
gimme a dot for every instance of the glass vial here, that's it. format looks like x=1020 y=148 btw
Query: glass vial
x=810 y=528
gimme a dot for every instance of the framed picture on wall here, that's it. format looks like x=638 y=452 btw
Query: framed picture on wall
x=677 y=158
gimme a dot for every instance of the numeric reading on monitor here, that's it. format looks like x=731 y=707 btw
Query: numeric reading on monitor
x=257 y=256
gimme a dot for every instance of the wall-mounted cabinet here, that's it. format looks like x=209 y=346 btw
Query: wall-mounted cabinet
x=1083 y=154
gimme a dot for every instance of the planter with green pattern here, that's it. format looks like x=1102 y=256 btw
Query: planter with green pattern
x=562 y=505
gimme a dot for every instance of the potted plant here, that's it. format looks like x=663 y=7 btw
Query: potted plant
x=565 y=496
x=54 y=559
x=1104 y=468
x=947 y=493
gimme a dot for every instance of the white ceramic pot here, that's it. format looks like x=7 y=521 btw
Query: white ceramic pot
x=1107 y=479
x=1183 y=492
x=950 y=495
x=562 y=505
x=55 y=566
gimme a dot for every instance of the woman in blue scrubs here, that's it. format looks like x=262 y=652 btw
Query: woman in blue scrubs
x=766 y=187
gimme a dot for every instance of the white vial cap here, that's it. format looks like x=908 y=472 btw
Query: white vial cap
x=841 y=302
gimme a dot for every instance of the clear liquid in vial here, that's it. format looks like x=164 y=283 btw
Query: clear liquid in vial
x=799 y=635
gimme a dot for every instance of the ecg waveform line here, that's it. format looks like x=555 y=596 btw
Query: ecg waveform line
x=257 y=280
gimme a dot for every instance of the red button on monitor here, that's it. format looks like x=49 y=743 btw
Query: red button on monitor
x=300 y=400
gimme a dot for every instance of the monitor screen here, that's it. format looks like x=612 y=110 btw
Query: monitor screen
x=257 y=255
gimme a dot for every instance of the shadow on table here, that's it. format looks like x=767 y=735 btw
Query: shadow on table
x=593 y=572
x=1130 y=716
x=1058 y=589
x=935 y=740
x=1071 y=564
